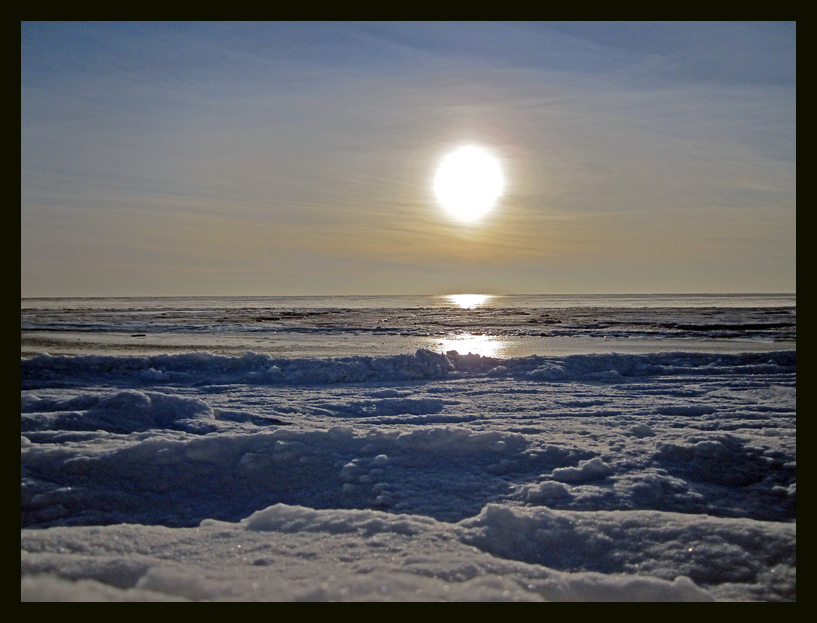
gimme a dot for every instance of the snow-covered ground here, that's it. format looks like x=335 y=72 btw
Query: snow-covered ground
x=619 y=475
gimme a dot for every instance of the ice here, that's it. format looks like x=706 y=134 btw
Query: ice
x=123 y=412
x=253 y=368
x=292 y=552
x=502 y=326
x=594 y=469
x=665 y=475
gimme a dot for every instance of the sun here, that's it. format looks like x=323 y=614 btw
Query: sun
x=468 y=183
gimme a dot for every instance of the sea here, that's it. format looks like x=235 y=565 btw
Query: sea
x=462 y=447
x=338 y=326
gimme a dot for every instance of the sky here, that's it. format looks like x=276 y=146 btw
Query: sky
x=170 y=159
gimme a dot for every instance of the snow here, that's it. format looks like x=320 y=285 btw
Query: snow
x=666 y=476
x=287 y=552
x=594 y=469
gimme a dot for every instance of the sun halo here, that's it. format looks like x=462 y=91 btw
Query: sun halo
x=468 y=182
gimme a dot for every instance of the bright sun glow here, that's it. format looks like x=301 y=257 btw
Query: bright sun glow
x=485 y=345
x=468 y=183
x=468 y=301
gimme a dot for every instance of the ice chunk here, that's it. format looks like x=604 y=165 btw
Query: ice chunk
x=547 y=491
x=594 y=469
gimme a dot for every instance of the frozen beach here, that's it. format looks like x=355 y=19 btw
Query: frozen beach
x=409 y=448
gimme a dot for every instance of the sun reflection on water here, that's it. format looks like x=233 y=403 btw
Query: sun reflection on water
x=485 y=345
x=468 y=301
